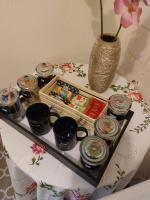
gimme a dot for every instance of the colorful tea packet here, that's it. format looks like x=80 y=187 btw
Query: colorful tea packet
x=64 y=91
x=94 y=108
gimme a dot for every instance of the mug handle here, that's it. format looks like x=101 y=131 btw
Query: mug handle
x=55 y=115
x=79 y=138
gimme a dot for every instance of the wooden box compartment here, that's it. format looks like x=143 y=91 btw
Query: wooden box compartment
x=65 y=109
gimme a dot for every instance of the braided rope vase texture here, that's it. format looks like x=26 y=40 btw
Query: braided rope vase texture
x=103 y=63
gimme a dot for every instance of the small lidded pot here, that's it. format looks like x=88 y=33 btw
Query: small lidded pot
x=107 y=128
x=119 y=105
x=29 y=88
x=45 y=73
x=10 y=104
x=93 y=152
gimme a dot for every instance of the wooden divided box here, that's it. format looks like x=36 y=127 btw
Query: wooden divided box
x=83 y=114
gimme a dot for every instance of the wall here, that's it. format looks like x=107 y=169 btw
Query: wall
x=135 y=59
x=56 y=31
x=34 y=31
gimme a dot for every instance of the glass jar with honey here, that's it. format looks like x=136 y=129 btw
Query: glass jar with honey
x=107 y=128
x=29 y=89
x=45 y=73
x=93 y=152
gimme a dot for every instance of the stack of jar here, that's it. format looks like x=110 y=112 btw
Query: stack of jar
x=94 y=150
x=29 y=85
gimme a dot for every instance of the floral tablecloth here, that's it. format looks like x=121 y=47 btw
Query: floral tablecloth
x=38 y=175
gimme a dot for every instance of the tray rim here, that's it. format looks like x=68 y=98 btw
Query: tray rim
x=62 y=158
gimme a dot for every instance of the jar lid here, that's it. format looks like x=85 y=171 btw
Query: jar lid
x=120 y=104
x=27 y=82
x=8 y=97
x=44 y=69
x=94 y=150
x=106 y=127
x=90 y=164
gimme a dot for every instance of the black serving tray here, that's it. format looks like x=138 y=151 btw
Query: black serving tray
x=93 y=176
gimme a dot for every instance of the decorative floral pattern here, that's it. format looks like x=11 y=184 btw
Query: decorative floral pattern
x=132 y=90
x=67 y=67
x=29 y=190
x=135 y=96
x=37 y=151
x=142 y=126
x=36 y=161
x=55 y=193
x=70 y=68
x=120 y=174
x=66 y=194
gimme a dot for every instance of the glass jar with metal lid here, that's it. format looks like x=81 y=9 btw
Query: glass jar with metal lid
x=45 y=73
x=10 y=104
x=119 y=105
x=29 y=88
x=93 y=151
x=106 y=127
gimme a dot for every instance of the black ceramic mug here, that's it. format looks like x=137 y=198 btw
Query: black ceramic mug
x=67 y=134
x=38 y=116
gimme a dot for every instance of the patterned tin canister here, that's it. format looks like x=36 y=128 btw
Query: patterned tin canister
x=29 y=88
x=45 y=73
x=107 y=128
x=119 y=105
x=93 y=151
x=10 y=104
